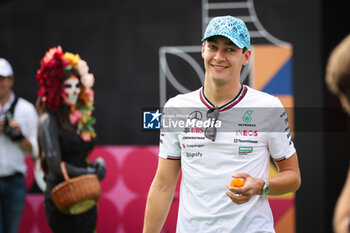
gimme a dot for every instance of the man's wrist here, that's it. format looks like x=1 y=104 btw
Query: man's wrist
x=260 y=186
x=265 y=188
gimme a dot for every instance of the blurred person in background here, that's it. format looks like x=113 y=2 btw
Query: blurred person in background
x=66 y=134
x=338 y=81
x=18 y=138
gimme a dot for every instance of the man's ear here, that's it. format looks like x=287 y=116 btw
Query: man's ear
x=12 y=80
x=247 y=55
x=203 y=48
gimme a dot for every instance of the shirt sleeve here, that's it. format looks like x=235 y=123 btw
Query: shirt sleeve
x=28 y=120
x=280 y=142
x=169 y=146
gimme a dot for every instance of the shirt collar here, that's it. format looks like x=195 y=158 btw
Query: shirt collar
x=230 y=104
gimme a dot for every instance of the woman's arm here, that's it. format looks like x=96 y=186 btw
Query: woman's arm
x=49 y=144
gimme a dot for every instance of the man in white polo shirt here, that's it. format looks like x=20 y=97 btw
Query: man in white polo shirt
x=243 y=128
x=18 y=137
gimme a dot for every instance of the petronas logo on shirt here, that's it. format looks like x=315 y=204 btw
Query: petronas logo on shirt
x=247 y=118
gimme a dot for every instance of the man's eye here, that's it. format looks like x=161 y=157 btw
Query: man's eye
x=67 y=85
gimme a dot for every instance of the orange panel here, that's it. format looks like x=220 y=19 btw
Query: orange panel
x=268 y=60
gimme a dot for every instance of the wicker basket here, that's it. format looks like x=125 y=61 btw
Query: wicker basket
x=76 y=195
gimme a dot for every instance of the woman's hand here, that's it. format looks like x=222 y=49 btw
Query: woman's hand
x=100 y=168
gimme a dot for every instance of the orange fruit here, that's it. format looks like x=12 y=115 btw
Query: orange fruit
x=237 y=182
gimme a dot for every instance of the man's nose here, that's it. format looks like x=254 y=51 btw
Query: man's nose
x=219 y=55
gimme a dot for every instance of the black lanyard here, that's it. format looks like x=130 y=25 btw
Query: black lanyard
x=9 y=113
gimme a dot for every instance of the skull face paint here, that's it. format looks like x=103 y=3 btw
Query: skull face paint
x=71 y=89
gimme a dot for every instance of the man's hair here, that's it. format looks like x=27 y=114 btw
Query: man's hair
x=212 y=40
x=338 y=69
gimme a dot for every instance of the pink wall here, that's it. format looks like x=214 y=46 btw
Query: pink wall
x=130 y=170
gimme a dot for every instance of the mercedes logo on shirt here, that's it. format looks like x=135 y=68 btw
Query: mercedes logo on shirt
x=195 y=115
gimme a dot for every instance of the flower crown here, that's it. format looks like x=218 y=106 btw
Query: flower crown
x=50 y=76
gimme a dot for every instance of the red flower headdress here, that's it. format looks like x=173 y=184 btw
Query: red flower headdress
x=50 y=76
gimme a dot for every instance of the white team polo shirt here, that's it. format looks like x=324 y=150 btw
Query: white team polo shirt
x=254 y=126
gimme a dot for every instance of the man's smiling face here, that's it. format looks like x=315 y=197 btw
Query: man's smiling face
x=223 y=60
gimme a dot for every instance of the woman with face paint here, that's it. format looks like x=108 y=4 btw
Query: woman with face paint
x=66 y=133
x=71 y=88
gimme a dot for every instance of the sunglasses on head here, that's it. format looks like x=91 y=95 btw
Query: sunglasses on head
x=210 y=132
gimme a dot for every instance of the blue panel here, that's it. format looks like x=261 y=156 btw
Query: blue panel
x=281 y=83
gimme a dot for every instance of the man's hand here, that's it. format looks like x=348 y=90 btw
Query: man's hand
x=13 y=131
x=252 y=186
x=15 y=125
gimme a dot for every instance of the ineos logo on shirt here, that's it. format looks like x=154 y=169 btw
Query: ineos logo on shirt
x=247 y=133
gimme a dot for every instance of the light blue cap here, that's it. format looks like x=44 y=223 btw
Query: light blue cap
x=5 y=68
x=230 y=27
